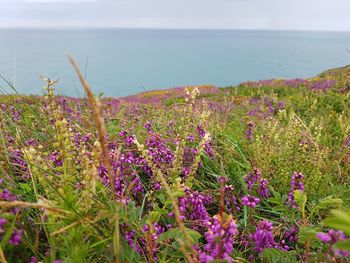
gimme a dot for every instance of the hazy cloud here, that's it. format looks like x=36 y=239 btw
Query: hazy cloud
x=59 y=1
x=244 y=14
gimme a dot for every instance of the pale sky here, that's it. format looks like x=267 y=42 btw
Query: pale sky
x=226 y=14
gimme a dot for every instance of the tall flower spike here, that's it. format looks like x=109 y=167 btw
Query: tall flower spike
x=296 y=184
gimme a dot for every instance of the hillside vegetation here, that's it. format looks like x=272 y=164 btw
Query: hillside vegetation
x=259 y=172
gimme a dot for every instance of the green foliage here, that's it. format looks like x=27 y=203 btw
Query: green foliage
x=277 y=256
x=339 y=220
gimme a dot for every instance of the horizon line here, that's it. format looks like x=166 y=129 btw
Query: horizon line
x=164 y=28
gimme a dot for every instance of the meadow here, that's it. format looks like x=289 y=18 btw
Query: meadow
x=258 y=172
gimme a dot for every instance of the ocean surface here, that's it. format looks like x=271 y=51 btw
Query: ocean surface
x=120 y=62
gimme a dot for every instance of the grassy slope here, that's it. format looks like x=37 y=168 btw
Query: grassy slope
x=275 y=126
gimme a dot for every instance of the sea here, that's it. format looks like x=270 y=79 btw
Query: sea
x=121 y=62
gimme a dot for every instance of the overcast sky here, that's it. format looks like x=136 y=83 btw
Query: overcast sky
x=227 y=14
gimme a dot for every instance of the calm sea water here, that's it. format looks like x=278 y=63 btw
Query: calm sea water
x=120 y=62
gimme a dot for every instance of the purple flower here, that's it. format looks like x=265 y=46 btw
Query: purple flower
x=332 y=237
x=222 y=179
x=33 y=259
x=190 y=138
x=192 y=206
x=347 y=142
x=129 y=140
x=220 y=238
x=291 y=235
x=322 y=85
x=263 y=189
x=123 y=133
x=252 y=178
x=263 y=236
x=56 y=158
x=249 y=200
x=16 y=237
x=160 y=153
x=208 y=149
x=145 y=228
x=296 y=184
x=21 y=167
x=201 y=131
x=140 y=244
x=324 y=237
x=148 y=126
x=249 y=131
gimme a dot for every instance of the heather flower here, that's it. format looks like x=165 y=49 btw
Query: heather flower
x=7 y=195
x=123 y=133
x=30 y=142
x=332 y=237
x=291 y=235
x=208 y=149
x=145 y=228
x=33 y=259
x=129 y=140
x=263 y=189
x=15 y=114
x=131 y=239
x=190 y=138
x=249 y=131
x=148 y=126
x=263 y=236
x=252 y=178
x=347 y=142
x=322 y=85
x=192 y=206
x=294 y=83
x=296 y=184
x=56 y=158
x=220 y=239
x=249 y=200
x=158 y=150
x=324 y=237
x=140 y=244
x=222 y=179
x=21 y=167
x=186 y=171
x=255 y=177
x=201 y=131
x=16 y=237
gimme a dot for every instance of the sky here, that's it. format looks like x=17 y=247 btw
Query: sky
x=329 y=15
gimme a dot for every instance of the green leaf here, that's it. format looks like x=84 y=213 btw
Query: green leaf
x=308 y=233
x=176 y=233
x=339 y=220
x=25 y=188
x=154 y=216
x=301 y=199
x=344 y=245
x=326 y=203
x=179 y=193
x=274 y=255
